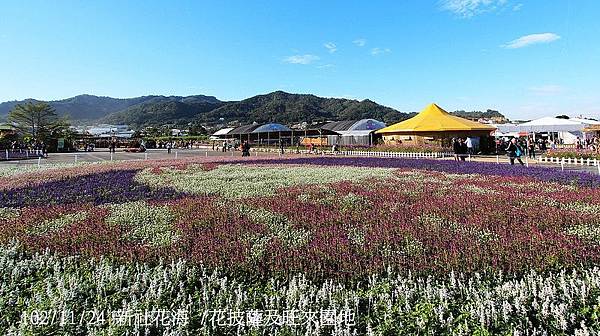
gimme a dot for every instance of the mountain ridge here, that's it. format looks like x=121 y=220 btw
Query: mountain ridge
x=159 y=110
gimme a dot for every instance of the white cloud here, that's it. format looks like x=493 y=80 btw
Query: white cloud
x=470 y=8
x=528 y=40
x=301 y=59
x=331 y=47
x=546 y=90
x=517 y=7
x=325 y=66
x=361 y=42
x=378 y=51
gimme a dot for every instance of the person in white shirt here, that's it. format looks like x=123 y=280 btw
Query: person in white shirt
x=469 y=143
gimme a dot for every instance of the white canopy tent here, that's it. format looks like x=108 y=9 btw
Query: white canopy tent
x=587 y=122
x=506 y=130
x=551 y=124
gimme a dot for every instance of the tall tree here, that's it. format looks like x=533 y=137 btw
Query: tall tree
x=36 y=119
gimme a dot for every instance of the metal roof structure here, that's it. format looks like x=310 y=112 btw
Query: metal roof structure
x=273 y=127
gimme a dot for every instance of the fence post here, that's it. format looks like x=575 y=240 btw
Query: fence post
x=562 y=165
x=75 y=158
x=146 y=156
x=39 y=161
x=7 y=154
x=527 y=160
x=111 y=156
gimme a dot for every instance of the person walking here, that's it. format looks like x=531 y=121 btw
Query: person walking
x=469 y=144
x=531 y=148
x=514 y=151
x=169 y=145
x=455 y=148
x=44 y=149
x=245 y=149
x=463 y=151
x=335 y=148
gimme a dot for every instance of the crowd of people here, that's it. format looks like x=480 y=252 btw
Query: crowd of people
x=592 y=144
x=39 y=148
x=464 y=147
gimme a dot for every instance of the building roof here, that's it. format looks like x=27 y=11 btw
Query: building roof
x=338 y=125
x=434 y=119
x=367 y=125
x=244 y=129
x=272 y=127
x=223 y=131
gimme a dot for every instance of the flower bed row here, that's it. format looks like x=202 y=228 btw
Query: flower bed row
x=37 y=290
x=279 y=217
x=573 y=154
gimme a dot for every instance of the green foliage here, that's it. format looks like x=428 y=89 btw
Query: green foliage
x=38 y=120
x=478 y=114
x=285 y=108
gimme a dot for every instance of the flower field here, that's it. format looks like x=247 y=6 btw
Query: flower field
x=343 y=246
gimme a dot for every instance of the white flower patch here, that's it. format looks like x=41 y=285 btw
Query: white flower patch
x=53 y=225
x=9 y=213
x=278 y=226
x=239 y=181
x=439 y=222
x=581 y=207
x=356 y=236
x=460 y=304
x=146 y=223
x=354 y=202
x=587 y=232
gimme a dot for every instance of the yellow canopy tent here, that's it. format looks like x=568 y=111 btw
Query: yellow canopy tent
x=433 y=121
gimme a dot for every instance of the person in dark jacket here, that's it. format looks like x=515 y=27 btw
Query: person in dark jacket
x=464 y=149
x=245 y=149
x=514 y=151
x=455 y=148
x=531 y=148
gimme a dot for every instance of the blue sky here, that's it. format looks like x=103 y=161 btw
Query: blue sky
x=524 y=58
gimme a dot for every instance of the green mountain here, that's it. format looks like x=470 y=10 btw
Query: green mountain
x=162 y=112
x=90 y=108
x=279 y=106
x=286 y=108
